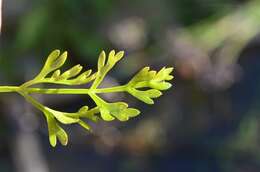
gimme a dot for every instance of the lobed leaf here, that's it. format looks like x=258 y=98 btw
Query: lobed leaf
x=151 y=80
x=53 y=62
x=74 y=71
x=145 y=96
x=103 y=67
x=55 y=131
x=61 y=116
x=119 y=110
x=101 y=60
x=84 y=125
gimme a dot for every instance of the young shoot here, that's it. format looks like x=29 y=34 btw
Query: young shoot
x=146 y=85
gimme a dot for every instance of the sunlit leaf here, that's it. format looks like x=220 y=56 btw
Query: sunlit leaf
x=56 y=74
x=84 y=125
x=72 y=72
x=101 y=60
x=62 y=136
x=118 y=110
x=61 y=116
x=55 y=131
x=150 y=80
x=52 y=130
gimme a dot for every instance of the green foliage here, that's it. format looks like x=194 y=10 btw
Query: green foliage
x=145 y=86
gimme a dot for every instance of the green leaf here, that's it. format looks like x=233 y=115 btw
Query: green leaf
x=149 y=78
x=62 y=136
x=119 y=55
x=71 y=76
x=103 y=67
x=105 y=114
x=72 y=72
x=164 y=74
x=53 y=62
x=55 y=131
x=101 y=60
x=119 y=110
x=111 y=58
x=61 y=116
x=83 y=78
x=152 y=81
x=160 y=85
x=56 y=75
x=84 y=125
x=58 y=62
x=145 y=96
x=52 y=130
x=53 y=56
x=84 y=75
x=84 y=112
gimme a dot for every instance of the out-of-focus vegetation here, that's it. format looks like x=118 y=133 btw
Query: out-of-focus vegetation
x=207 y=122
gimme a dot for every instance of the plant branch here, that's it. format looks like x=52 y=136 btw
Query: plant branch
x=5 y=89
x=145 y=86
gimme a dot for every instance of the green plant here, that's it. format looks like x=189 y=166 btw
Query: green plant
x=145 y=85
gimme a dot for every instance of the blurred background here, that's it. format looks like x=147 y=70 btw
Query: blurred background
x=207 y=122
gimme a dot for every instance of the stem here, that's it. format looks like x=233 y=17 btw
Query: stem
x=63 y=90
x=6 y=89
x=57 y=90
x=111 y=89
x=31 y=100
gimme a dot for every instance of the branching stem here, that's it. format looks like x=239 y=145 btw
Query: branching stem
x=145 y=86
x=29 y=90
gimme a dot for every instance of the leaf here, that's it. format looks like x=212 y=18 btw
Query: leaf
x=164 y=74
x=53 y=62
x=119 y=55
x=103 y=67
x=151 y=80
x=55 y=131
x=56 y=75
x=72 y=72
x=147 y=78
x=145 y=96
x=84 y=75
x=52 y=57
x=84 y=112
x=160 y=85
x=132 y=112
x=52 y=130
x=111 y=58
x=62 y=136
x=83 y=78
x=105 y=114
x=101 y=60
x=61 y=116
x=84 y=125
x=69 y=77
x=118 y=110
x=58 y=62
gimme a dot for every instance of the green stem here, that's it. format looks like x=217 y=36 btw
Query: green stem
x=6 y=89
x=31 y=100
x=57 y=90
x=63 y=90
x=111 y=89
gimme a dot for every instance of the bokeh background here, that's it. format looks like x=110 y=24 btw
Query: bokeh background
x=207 y=122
